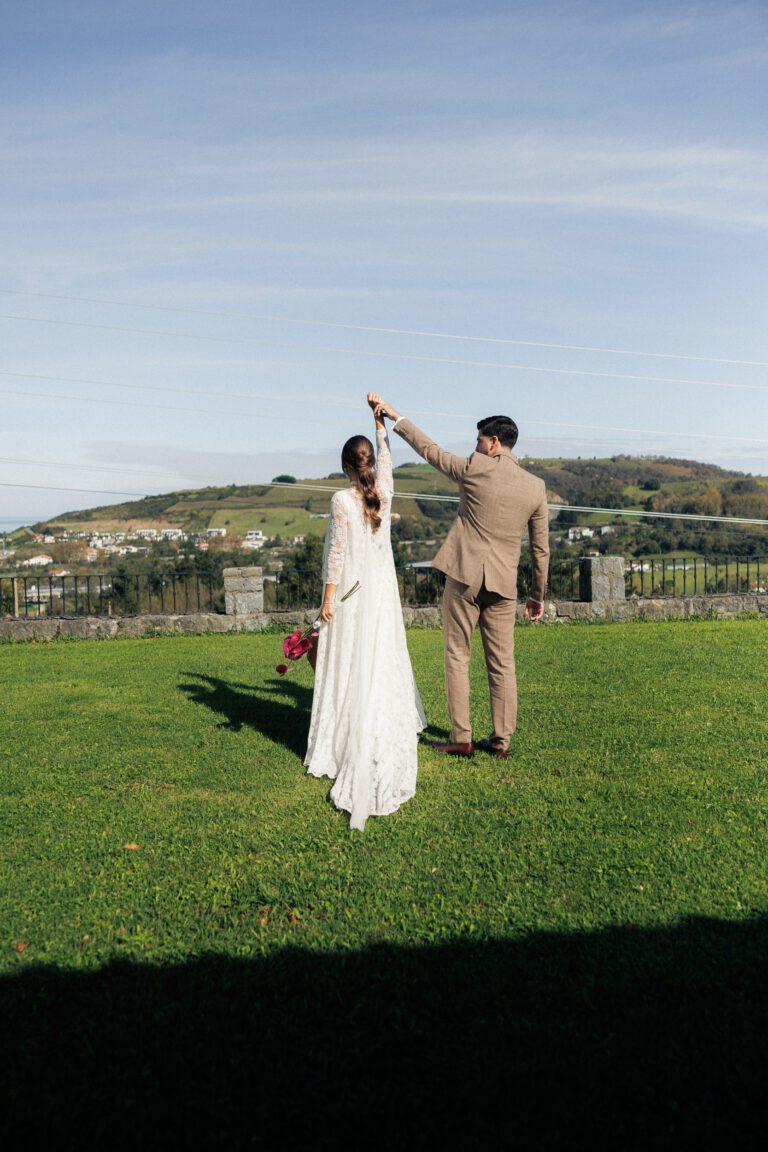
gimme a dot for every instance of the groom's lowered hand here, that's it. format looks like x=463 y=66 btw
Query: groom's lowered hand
x=533 y=611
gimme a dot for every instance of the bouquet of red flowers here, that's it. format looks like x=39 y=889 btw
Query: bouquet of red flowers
x=299 y=643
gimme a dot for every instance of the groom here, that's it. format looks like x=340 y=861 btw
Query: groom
x=498 y=501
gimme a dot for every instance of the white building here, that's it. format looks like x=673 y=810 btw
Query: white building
x=37 y=561
x=216 y=532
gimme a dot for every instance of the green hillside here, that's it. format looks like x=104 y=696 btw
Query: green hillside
x=275 y=510
x=648 y=483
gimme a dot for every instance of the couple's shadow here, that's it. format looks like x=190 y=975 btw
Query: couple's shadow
x=279 y=709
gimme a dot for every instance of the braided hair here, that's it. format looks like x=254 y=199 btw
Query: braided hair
x=358 y=456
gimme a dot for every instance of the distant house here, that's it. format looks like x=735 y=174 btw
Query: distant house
x=216 y=532
x=37 y=561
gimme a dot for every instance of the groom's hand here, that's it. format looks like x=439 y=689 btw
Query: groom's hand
x=381 y=408
x=533 y=611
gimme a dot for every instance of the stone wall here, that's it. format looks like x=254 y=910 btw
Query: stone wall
x=720 y=607
x=601 y=578
x=601 y=581
x=243 y=591
x=555 y=612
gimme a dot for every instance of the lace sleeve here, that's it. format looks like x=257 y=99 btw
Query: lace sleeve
x=335 y=541
x=384 y=480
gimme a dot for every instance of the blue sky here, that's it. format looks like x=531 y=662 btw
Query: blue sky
x=207 y=211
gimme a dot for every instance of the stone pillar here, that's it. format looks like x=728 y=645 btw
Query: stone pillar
x=243 y=591
x=601 y=578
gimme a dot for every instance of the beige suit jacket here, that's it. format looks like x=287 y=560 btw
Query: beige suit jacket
x=498 y=500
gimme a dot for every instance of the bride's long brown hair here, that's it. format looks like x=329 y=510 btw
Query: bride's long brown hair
x=358 y=456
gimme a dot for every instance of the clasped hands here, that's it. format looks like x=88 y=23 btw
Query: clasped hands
x=381 y=408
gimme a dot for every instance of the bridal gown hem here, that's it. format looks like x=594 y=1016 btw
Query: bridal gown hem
x=366 y=709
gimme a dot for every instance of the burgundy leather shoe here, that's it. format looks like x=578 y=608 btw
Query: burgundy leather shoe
x=492 y=749
x=448 y=749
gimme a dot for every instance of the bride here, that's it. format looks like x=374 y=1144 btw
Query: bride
x=366 y=709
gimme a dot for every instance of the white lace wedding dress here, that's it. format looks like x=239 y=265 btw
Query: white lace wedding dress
x=366 y=709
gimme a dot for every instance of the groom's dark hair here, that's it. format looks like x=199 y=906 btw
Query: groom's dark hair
x=502 y=426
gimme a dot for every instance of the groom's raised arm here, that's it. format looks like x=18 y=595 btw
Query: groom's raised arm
x=445 y=462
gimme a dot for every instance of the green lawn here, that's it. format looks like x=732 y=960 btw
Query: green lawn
x=194 y=942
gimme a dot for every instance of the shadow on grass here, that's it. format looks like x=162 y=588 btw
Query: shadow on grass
x=433 y=730
x=264 y=708
x=628 y=1038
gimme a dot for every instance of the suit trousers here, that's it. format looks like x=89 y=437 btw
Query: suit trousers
x=463 y=610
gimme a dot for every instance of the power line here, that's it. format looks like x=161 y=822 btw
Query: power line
x=83 y=467
x=330 y=401
x=389 y=355
x=385 y=330
x=58 y=488
x=425 y=496
x=662 y=515
x=434 y=497
x=612 y=428
x=176 y=391
x=158 y=407
x=552 y=507
x=121 y=403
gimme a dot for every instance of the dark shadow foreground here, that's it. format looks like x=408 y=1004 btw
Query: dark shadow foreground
x=620 y=1039
x=279 y=710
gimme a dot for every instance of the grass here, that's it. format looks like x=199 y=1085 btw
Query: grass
x=195 y=945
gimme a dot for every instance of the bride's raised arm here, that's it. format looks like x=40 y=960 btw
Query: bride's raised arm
x=384 y=479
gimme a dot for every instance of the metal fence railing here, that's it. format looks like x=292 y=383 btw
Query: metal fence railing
x=697 y=576
x=110 y=594
x=134 y=594
x=297 y=589
x=562 y=580
x=419 y=586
